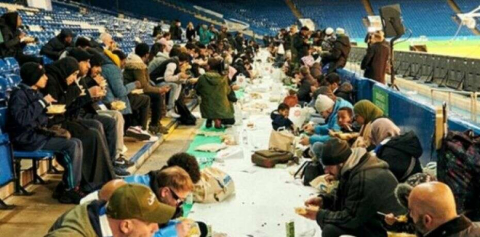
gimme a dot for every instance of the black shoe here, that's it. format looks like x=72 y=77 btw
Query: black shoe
x=58 y=191
x=157 y=129
x=72 y=196
x=208 y=124
x=119 y=171
x=122 y=162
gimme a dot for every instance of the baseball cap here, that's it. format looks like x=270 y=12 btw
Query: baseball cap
x=135 y=201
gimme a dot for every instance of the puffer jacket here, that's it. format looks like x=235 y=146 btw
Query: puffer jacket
x=366 y=187
x=321 y=131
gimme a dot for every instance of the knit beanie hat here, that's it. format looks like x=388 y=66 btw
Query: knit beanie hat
x=79 y=54
x=335 y=152
x=323 y=103
x=31 y=73
x=142 y=49
x=96 y=60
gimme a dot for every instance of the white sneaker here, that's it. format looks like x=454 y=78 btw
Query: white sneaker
x=172 y=114
x=152 y=139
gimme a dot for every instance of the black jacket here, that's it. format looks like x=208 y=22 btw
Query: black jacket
x=26 y=114
x=366 y=187
x=300 y=45
x=338 y=55
x=304 y=89
x=375 y=61
x=279 y=121
x=400 y=153
x=157 y=30
x=191 y=34
x=239 y=44
x=458 y=227
x=11 y=46
x=176 y=32
x=55 y=46
x=345 y=92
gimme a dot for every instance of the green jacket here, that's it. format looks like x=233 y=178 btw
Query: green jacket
x=213 y=90
x=73 y=223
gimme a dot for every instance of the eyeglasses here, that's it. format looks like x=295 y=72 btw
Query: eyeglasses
x=178 y=199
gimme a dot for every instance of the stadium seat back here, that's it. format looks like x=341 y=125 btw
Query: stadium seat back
x=6 y=164
x=472 y=77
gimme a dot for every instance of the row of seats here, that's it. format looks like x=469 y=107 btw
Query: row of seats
x=453 y=72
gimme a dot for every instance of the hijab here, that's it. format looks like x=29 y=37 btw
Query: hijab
x=382 y=129
x=62 y=69
x=11 y=19
x=367 y=110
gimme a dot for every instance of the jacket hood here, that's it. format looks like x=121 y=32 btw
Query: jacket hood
x=135 y=62
x=10 y=20
x=62 y=69
x=274 y=115
x=213 y=78
x=407 y=143
x=162 y=55
x=64 y=34
x=361 y=160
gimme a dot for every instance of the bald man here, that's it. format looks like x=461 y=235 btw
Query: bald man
x=433 y=211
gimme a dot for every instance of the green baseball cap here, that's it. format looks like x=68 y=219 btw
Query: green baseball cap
x=135 y=201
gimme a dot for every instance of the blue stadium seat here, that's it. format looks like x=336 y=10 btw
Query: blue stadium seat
x=12 y=64
x=3 y=67
x=34 y=156
x=14 y=79
x=6 y=166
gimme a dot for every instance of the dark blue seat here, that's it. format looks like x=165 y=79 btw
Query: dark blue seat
x=6 y=166
x=14 y=79
x=4 y=67
x=12 y=64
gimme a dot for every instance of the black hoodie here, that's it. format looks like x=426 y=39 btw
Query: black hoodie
x=11 y=45
x=400 y=153
x=55 y=46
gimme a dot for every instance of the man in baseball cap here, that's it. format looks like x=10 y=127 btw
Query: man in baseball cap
x=366 y=186
x=133 y=210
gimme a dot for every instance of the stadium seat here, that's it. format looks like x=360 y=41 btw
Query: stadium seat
x=14 y=79
x=472 y=77
x=440 y=72
x=18 y=156
x=6 y=166
x=426 y=68
x=456 y=73
x=12 y=65
x=3 y=67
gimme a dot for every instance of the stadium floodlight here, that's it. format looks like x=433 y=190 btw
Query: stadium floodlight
x=468 y=19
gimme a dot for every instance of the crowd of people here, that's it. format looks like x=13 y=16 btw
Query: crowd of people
x=109 y=95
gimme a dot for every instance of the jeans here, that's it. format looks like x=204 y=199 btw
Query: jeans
x=120 y=124
x=174 y=94
x=70 y=156
x=140 y=105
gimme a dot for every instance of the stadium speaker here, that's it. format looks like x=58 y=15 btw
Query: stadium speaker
x=392 y=21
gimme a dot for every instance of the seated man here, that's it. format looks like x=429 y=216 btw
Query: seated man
x=99 y=218
x=55 y=46
x=26 y=124
x=343 y=90
x=136 y=70
x=366 y=187
x=170 y=73
x=328 y=109
x=433 y=210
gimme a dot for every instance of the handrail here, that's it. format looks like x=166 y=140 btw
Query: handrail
x=473 y=100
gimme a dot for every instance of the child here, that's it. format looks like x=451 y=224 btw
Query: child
x=280 y=117
x=347 y=129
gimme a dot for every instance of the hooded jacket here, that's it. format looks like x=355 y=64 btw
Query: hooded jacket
x=366 y=187
x=26 y=113
x=116 y=88
x=157 y=61
x=338 y=55
x=321 y=131
x=11 y=45
x=55 y=46
x=136 y=70
x=402 y=154
x=213 y=90
x=279 y=121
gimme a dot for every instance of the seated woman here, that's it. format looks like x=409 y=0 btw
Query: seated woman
x=401 y=152
x=304 y=81
x=213 y=88
x=366 y=113
x=15 y=40
x=97 y=164
x=26 y=125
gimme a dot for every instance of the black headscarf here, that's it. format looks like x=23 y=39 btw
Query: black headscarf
x=10 y=19
x=62 y=69
x=64 y=34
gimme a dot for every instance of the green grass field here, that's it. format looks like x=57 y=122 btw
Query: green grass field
x=459 y=47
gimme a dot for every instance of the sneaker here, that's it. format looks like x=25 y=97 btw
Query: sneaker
x=72 y=196
x=152 y=139
x=122 y=162
x=157 y=130
x=119 y=171
x=172 y=114
x=137 y=134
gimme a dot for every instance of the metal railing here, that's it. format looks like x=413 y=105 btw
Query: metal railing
x=473 y=100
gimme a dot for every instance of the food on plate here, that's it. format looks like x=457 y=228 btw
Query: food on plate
x=301 y=210
x=118 y=105
x=56 y=109
x=402 y=218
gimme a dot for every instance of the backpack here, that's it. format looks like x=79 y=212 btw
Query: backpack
x=186 y=117
x=458 y=166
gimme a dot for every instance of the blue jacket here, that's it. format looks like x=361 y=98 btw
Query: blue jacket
x=116 y=89
x=321 y=131
x=169 y=230
x=26 y=113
